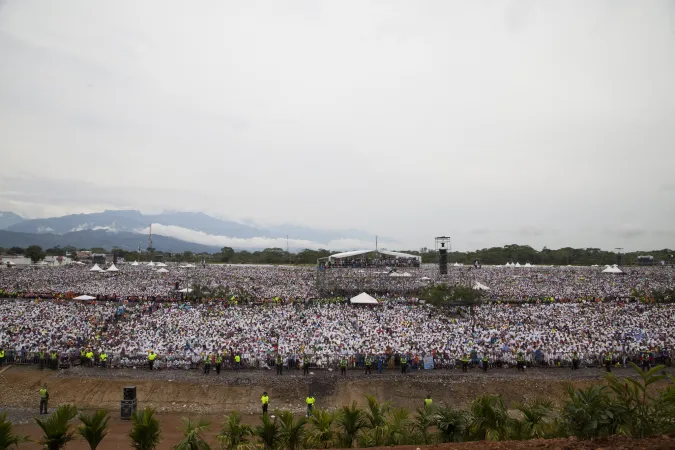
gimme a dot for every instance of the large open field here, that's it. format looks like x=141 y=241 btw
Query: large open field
x=181 y=393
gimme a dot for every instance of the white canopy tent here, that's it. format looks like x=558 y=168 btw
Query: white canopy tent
x=403 y=274
x=96 y=268
x=363 y=299
x=425 y=279
x=84 y=297
x=112 y=268
x=151 y=263
x=187 y=266
x=457 y=264
x=353 y=253
x=480 y=287
x=160 y=264
x=162 y=270
x=528 y=265
x=135 y=263
x=184 y=290
x=612 y=270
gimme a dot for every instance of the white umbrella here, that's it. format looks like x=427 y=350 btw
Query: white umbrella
x=84 y=297
x=162 y=270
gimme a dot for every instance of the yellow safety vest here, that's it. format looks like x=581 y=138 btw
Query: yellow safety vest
x=265 y=399
x=237 y=358
x=104 y=357
x=2 y=353
x=90 y=355
x=152 y=356
x=43 y=393
x=309 y=400
x=428 y=402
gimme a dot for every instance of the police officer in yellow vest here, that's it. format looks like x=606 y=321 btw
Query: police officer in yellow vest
x=279 y=364
x=44 y=397
x=310 y=403
x=404 y=364
x=90 y=357
x=265 y=402
x=237 y=362
x=53 y=360
x=83 y=358
x=428 y=401
x=2 y=356
x=152 y=356
x=343 y=366
x=41 y=356
x=219 y=363
x=104 y=359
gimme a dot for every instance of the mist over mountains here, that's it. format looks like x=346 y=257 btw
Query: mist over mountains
x=172 y=232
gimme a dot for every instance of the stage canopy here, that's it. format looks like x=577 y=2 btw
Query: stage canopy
x=84 y=297
x=612 y=270
x=363 y=299
x=184 y=290
x=383 y=252
x=162 y=270
x=480 y=287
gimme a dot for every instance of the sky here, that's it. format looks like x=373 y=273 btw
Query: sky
x=548 y=123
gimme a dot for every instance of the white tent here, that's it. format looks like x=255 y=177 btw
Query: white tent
x=396 y=274
x=96 y=268
x=457 y=264
x=594 y=265
x=135 y=263
x=507 y=265
x=162 y=270
x=363 y=299
x=517 y=264
x=11 y=263
x=528 y=265
x=84 y=297
x=187 y=266
x=160 y=264
x=79 y=263
x=425 y=278
x=480 y=287
x=151 y=263
x=112 y=268
x=185 y=290
x=612 y=270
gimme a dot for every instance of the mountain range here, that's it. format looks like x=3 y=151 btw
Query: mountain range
x=126 y=228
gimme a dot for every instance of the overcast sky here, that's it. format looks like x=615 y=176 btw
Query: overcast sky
x=494 y=122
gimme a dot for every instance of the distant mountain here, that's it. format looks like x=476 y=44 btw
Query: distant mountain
x=8 y=218
x=100 y=238
x=132 y=221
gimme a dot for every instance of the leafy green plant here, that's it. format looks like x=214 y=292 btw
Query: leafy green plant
x=321 y=432
x=451 y=424
x=291 y=431
x=56 y=428
x=422 y=423
x=94 y=428
x=146 y=433
x=588 y=413
x=193 y=435
x=7 y=438
x=350 y=422
x=400 y=426
x=268 y=432
x=234 y=434
x=376 y=424
x=536 y=421
x=489 y=418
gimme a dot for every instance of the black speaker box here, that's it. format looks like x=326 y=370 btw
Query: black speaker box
x=127 y=409
x=130 y=393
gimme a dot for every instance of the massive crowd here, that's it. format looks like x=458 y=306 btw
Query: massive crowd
x=583 y=311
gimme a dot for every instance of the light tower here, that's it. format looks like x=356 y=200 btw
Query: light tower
x=442 y=248
x=150 y=239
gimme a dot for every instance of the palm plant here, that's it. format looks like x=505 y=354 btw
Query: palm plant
x=588 y=413
x=451 y=424
x=234 y=434
x=94 y=428
x=146 y=432
x=423 y=421
x=268 y=432
x=321 y=433
x=351 y=422
x=489 y=418
x=193 y=435
x=56 y=428
x=291 y=431
x=7 y=438
x=536 y=421
x=399 y=426
x=375 y=417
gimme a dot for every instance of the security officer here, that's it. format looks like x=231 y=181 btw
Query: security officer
x=428 y=401
x=404 y=364
x=575 y=361
x=520 y=362
x=2 y=356
x=104 y=359
x=343 y=366
x=485 y=363
x=265 y=402
x=279 y=363
x=379 y=364
x=369 y=364
x=305 y=365
x=44 y=397
x=310 y=403
x=151 y=359
x=53 y=360
x=219 y=363
x=83 y=357
x=237 y=362
x=90 y=357
x=41 y=356
x=207 y=363
x=608 y=361
x=465 y=363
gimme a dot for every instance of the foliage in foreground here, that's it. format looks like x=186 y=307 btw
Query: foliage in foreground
x=146 y=432
x=94 y=428
x=56 y=428
x=7 y=437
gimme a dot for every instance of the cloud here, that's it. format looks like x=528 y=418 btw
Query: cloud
x=200 y=237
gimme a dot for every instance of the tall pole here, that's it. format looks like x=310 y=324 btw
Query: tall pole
x=618 y=255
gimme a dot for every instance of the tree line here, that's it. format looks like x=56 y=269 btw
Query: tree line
x=631 y=406
x=494 y=255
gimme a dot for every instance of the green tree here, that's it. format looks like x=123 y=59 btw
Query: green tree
x=489 y=418
x=226 y=254
x=15 y=251
x=451 y=424
x=268 y=432
x=423 y=422
x=321 y=433
x=376 y=424
x=234 y=434
x=291 y=432
x=146 y=432
x=350 y=422
x=56 y=428
x=193 y=435
x=7 y=437
x=35 y=253
x=588 y=413
x=399 y=426
x=94 y=428
x=536 y=421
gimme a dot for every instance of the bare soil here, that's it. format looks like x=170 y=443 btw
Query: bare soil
x=190 y=393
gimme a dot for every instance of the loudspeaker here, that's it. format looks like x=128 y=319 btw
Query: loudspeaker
x=443 y=261
x=127 y=409
x=130 y=393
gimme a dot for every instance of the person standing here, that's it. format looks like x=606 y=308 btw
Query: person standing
x=237 y=362
x=465 y=363
x=305 y=365
x=343 y=366
x=428 y=401
x=104 y=359
x=575 y=361
x=44 y=397
x=520 y=362
x=310 y=403
x=53 y=360
x=485 y=362
x=369 y=363
x=404 y=364
x=608 y=362
x=279 y=363
x=219 y=363
x=151 y=359
x=207 y=363
x=265 y=402
x=379 y=364
x=2 y=356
